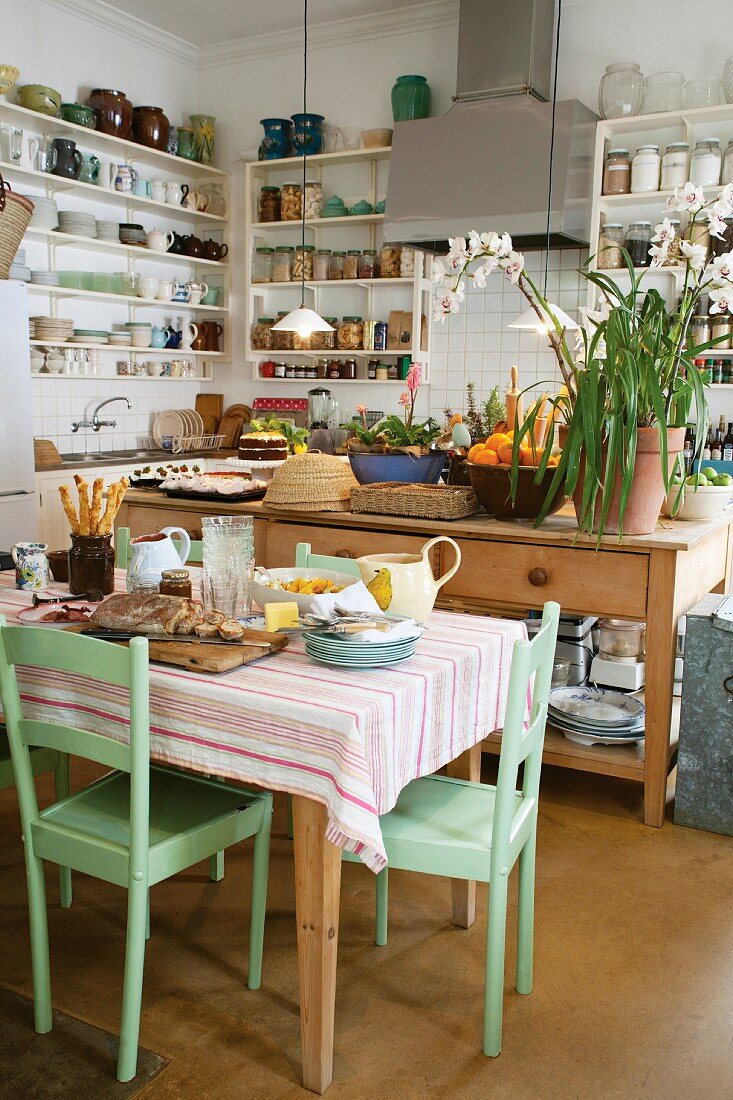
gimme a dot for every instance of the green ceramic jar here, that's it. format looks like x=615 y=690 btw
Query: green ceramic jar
x=410 y=98
x=204 y=133
x=186 y=143
x=79 y=114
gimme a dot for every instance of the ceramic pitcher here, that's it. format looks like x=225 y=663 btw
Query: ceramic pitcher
x=31 y=565
x=151 y=554
x=414 y=588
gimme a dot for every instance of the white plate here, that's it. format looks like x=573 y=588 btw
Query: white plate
x=599 y=739
x=31 y=616
x=167 y=423
x=598 y=707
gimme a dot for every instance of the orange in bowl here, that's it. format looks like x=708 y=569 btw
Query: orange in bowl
x=497 y=439
x=487 y=457
x=504 y=450
x=475 y=450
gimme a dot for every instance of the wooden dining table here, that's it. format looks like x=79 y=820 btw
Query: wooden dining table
x=343 y=742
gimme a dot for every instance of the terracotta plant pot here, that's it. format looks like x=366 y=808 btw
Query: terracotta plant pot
x=647 y=488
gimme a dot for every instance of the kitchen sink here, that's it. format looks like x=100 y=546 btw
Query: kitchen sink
x=117 y=457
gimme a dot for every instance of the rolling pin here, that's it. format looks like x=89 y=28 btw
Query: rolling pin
x=514 y=404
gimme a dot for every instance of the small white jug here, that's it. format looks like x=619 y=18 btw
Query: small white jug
x=151 y=554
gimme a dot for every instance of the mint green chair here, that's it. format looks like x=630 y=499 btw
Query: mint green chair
x=41 y=761
x=136 y=826
x=304 y=559
x=476 y=831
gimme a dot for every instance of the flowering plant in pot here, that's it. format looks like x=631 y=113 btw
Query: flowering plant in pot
x=630 y=382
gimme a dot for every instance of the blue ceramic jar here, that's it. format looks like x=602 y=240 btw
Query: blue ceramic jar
x=308 y=134
x=410 y=98
x=276 y=143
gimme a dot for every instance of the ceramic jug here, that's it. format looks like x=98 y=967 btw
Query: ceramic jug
x=31 y=565
x=414 y=588
x=189 y=332
x=157 y=190
x=151 y=554
x=158 y=241
x=122 y=177
x=175 y=193
x=68 y=159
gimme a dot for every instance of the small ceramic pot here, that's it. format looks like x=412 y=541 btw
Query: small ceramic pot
x=112 y=110
x=215 y=251
x=79 y=114
x=41 y=98
x=150 y=127
x=193 y=246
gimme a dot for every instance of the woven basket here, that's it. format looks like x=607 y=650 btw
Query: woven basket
x=15 y=214
x=311 y=482
x=390 y=498
x=45 y=453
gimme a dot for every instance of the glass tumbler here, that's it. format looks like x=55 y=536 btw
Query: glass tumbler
x=705 y=91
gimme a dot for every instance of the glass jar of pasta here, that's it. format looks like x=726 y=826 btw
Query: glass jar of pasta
x=303 y=261
x=291 y=197
x=325 y=341
x=336 y=265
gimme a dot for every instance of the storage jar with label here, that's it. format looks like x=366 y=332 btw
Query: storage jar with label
x=705 y=163
x=268 y=204
x=351 y=264
x=336 y=265
x=645 y=168
x=290 y=202
x=280 y=370
x=675 y=166
x=281 y=341
x=610 y=244
x=698 y=331
x=372 y=368
x=617 y=172
x=302 y=343
x=350 y=334
x=262 y=265
x=261 y=334
x=282 y=264
x=368 y=264
x=638 y=243
x=721 y=326
x=303 y=261
x=321 y=260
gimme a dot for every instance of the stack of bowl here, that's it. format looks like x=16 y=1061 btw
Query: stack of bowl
x=131 y=233
x=141 y=333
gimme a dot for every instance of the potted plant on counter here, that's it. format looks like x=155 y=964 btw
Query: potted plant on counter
x=629 y=386
x=398 y=447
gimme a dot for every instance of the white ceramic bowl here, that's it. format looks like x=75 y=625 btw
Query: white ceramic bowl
x=376 y=139
x=263 y=594
x=141 y=339
x=705 y=502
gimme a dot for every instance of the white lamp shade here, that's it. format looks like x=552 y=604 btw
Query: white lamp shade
x=531 y=322
x=304 y=321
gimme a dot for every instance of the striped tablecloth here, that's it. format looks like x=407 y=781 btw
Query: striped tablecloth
x=351 y=740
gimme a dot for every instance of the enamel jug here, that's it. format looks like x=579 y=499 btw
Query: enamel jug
x=151 y=554
x=414 y=588
x=31 y=565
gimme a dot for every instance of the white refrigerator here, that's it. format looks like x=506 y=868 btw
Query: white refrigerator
x=17 y=468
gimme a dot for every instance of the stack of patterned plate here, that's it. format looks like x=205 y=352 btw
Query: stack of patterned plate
x=131 y=233
x=45 y=213
x=53 y=329
x=77 y=223
x=596 y=716
x=108 y=231
x=343 y=650
x=44 y=278
x=88 y=336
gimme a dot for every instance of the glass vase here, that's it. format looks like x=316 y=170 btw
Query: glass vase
x=410 y=98
x=621 y=90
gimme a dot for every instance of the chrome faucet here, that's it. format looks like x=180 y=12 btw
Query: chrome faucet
x=95 y=423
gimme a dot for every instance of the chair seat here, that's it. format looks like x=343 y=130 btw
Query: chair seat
x=190 y=819
x=442 y=826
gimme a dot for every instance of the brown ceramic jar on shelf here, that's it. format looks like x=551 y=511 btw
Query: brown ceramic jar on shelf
x=91 y=564
x=150 y=127
x=112 y=110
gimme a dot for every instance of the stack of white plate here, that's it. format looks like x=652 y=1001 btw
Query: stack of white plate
x=119 y=339
x=45 y=213
x=178 y=424
x=596 y=716
x=77 y=223
x=343 y=650
x=108 y=231
x=19 y=268
x=44 y=278
x=54 y=329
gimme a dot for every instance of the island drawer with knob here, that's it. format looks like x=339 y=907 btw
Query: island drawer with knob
x=499 y=572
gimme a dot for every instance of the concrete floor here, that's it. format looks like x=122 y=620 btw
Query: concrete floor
x=633 y=982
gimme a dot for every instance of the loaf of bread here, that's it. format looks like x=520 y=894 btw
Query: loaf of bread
x=148 y=613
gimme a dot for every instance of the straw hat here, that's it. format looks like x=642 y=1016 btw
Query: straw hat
x=311 y=482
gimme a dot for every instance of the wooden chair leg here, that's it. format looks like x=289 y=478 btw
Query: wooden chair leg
x=525 y=915
x=382 y=902
x=495 y=946
x=260 y=870
x=216 y=867
x=40 y=963
x=63 y=790
x=137 y=904
x=290 y=816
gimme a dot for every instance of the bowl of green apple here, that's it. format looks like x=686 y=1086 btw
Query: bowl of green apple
x=702 y=495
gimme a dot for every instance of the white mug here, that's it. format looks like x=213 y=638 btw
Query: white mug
x=149 y=287
x=166 y=289
x=189 y=332
x=157 y=190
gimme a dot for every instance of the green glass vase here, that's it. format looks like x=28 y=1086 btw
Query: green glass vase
x=204 y=133
x=410 y=98
x=186 y=143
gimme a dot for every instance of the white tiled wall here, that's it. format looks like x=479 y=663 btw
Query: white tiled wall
x=476 y=346
x=59 y=401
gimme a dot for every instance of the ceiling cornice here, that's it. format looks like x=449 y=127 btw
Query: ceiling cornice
x=429 y=15
x=128 y=26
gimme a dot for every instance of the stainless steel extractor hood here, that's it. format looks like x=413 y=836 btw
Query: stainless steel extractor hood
x=485 y=164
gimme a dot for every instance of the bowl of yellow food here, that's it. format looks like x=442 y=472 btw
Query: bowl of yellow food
x=298 y=586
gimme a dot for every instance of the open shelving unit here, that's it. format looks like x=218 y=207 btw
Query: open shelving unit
x=62 y=250
x=353 y=174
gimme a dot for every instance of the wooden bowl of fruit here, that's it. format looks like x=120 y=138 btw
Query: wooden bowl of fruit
x=489 y=470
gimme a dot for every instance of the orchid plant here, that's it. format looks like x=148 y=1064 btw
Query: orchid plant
x=631 y=367
x=399 y=432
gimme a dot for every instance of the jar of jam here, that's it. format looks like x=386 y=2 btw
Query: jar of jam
x=280 y=370
x=268 y=204
x=351 y=264
x=175 y=582
x=347 y=369
x=322 y=368
x=334 y=368
x=91 y=564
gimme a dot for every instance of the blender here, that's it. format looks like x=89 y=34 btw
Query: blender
x=319 y=412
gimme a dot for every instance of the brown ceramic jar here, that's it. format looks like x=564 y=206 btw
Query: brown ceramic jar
x=150 y=127
x=112 y=110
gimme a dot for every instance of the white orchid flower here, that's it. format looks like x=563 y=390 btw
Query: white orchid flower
x=504 y=246
x=690 y=197
x=716 y=225
x=439 y=271
x=478 y=278
x=695 y=254
x=512 y=265
x=665 y=231
x=658 y=254
x=590 y=319
x=721 y=268
x=458 y=253
x=480 y=244
x=722 y=300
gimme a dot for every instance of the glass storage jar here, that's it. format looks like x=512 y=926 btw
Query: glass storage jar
x=290 y=202
x=261 y=334
x=407 y=263
x=347 y=370
x=303 y=261
x=674 y=252
x=705 y=163
x=698 y=330
x=610 y=243
x=262 y=265
x=726 y=174
x=321 y=261
x=313 y=199
x=282 y=264
x=638 y=242
x=663 y=92
x=621 y=639
x=389 y=261
x=675 y=164
x=268 y=204
x=325 y=341
x=91 y=564
x=351 y=264
x=336 y=265
x=302 y=343
x=281 y=341
x=621 y=90
x=368 y=264
x=617 y=172
x=645 y=169
x=350 y=334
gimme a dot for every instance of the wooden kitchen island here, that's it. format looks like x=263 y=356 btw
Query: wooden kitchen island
x=509 y=567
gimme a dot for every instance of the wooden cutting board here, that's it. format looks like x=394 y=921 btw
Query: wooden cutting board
x=239 y=410
x=210 y=404
x=200 y=656
x=231 y=428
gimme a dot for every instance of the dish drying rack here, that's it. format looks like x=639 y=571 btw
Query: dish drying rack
x=184 y=444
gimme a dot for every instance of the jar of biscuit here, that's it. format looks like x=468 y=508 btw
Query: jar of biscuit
x=350 y=334
x=325 y=341
x=268 y=204
x=282 y=264
x=282 y=341
x=262 y=265
x=303 y=261
x=351 y=264
x=301 y=343
x=290 y=202
x=321 y=260
x=261 y=334
x=407 y=263
x=313 y=199
x=336 y=265
x=389 y=261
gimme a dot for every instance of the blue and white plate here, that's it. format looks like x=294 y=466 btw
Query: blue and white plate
x=596 y=708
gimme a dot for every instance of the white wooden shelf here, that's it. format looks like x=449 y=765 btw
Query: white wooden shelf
x=320 y=223
x=647 y=198
x=169 y=353
x=337 y=353
x=70 y=240
x=126 y=377
x=118 y=149
x=366 y=284
x=342 y=381
x=123 y=299
x=343 y=156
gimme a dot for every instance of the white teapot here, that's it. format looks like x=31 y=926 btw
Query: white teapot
x=159 y=241
x=151 y=554
x=414 y=588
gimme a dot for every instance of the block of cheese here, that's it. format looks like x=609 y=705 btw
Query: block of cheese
x=279 y=616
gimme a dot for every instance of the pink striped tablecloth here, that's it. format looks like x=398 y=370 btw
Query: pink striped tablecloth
x=349 y=739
